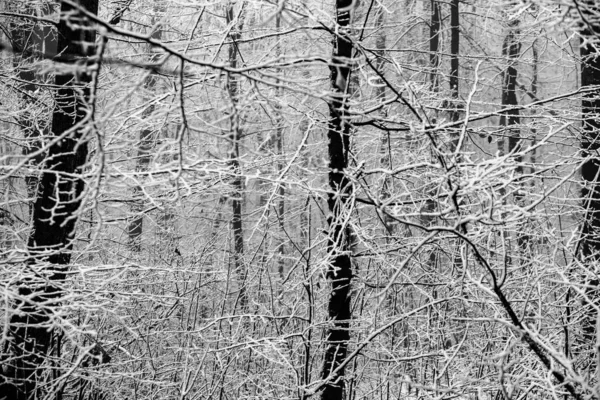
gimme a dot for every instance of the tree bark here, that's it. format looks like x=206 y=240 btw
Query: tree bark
x=136 y=224
x=235 y=134
x=455 y=106
x=338 y=201
x=434 y=44
x=454 y=62
x=511 y=118
x=58 y=199
x=589 y=244
x=280 y=244
x=534 y=90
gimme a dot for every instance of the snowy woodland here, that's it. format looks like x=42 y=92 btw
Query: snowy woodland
x=299 y=199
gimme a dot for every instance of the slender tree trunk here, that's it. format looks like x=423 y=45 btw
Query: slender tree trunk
x=434 y=59
x=135 y=227
x=534 y=90
x=511 y=118
x=455 y=104
x=273 y=147
x=454 y=62
x=280 y=244
x=338 y=201
x=434 y=44
x=589 y=244
x=380 y=44
x=426 y=218
x=385 y=148
x=235 y=134
x=54 y=213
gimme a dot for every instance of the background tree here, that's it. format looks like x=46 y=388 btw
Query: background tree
x=148 y=137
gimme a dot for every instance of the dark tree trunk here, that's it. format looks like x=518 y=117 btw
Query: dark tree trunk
x=589 y=245
x=454 y=52
x=534 y=90
x=434 y=44
x=340 y=270
x=434 y=59
x=235 y=134
x=455 y=106
x=511 y=119
x=280 y=165
x=54 y=212
x=136 y=224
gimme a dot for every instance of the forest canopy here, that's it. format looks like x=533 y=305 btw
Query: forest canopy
x=285 y=199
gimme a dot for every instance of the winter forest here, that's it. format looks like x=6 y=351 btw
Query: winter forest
x=299 y=199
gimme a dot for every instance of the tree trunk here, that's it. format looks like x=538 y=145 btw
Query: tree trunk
x=235 y=134
x=589 y=244
x=434 y=44
x=454 y=64
x=273 y=148
x=534 y=90
x=280 y=244
x=136 y=224
x=54 y=213
x=434 y=59
x=338 y=201
x=510 y=119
